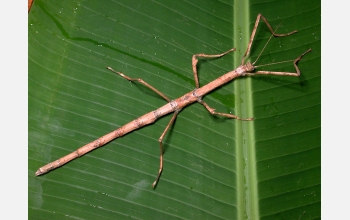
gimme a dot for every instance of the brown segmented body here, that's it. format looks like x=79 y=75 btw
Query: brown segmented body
x=178 y=104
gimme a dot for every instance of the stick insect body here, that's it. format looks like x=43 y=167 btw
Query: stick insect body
x=178 y=104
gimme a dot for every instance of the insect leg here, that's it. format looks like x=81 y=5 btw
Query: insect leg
x=213 y=112
x=282 y=73
x=195 y=61
x=254 y=31
x=140 y=81
x=161 y=148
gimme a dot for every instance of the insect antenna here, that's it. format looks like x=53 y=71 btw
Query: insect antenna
x=266 y=44
x=264 y=49
x=273 y=63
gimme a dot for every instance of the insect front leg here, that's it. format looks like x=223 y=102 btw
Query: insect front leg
x=254 y=31
x=283 y=73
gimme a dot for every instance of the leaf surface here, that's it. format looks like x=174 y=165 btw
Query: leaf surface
x=214 y=168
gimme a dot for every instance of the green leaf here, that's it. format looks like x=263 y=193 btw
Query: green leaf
x=214 y=168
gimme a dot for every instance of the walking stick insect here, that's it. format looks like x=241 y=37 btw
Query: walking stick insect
x=178 y=104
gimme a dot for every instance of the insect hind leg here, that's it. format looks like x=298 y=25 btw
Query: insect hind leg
x=140 y=81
